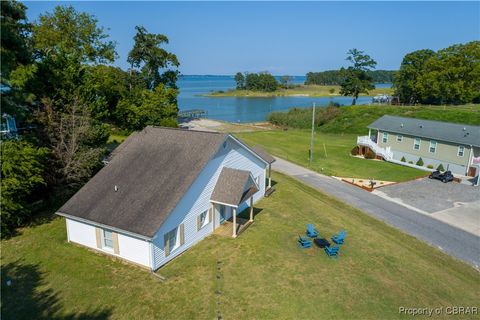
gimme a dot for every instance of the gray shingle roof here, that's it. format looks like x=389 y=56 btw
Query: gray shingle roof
x=435 y=130
x=152 y=170
x=263 y=154
x=233 y=187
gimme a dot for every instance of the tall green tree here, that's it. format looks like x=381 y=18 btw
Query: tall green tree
x=405 y=82
x=66 y=45
x=355 y=78
x=452 y=75
x=240 y=80
x=155 y=63
x=15 y=52
x=22 y=173
x=286 y=81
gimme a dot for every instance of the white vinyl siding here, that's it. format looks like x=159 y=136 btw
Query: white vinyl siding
x=461 y=151
x=197 y=199
x=131 y=248
x=399 y=138
x=416 y=144
x=385 y=137
x=433 y=146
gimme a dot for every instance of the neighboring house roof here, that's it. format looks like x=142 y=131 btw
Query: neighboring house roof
x=435 y=130
x=152 y=170
x=263 y=154
x=233 y=187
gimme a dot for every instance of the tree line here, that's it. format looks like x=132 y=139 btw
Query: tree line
x=448 y=76
x=58 y=81
x=335 y=77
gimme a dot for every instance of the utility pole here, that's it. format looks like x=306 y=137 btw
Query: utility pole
x=311 y=136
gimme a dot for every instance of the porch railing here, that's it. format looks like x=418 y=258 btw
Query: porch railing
x=385 y=153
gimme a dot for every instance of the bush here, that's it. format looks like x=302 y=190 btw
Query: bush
x=411 y=162
x=354 y=151
x=440 y=167
x=430 y=166
x=403 y=159
x=419 y=162
x=369 y=154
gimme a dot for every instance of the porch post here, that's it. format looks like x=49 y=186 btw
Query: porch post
x=212 y=207
x=269 y=176
x=251 y=208
x=234 y=213
x=369 y=133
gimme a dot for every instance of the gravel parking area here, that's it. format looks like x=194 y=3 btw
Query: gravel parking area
x=432 y=195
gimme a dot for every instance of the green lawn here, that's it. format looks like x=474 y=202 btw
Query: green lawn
x=293 y=145
x=261 y=274
x=302 y=90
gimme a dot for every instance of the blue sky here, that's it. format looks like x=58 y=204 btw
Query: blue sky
x=283 y=37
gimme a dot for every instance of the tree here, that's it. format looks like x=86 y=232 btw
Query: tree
x=144 y=107
x=355 y=78
x=21 y=174
x=240 y=80
x=155 y=63
x=15 y=52
x=452 y=75
x=76 y=140
x=405 y=82
x=261 y=82
x=286 y=81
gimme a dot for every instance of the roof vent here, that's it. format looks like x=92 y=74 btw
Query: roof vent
x=464 y=129
x=421 y=126
x=401 y=125
x=116 y=188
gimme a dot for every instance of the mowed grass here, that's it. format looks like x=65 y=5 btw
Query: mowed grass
x=262 y=274
x=332 y=159
x=302 y=90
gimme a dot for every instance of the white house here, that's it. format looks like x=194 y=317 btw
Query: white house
x=163 y=191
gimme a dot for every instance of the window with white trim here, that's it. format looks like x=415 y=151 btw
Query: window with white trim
x=433 y=146
x=399 y=138
x=385 y=137
x=416 y=144
x=108 y=239
x=461 y=151
x=173 y=239
x=203 y=219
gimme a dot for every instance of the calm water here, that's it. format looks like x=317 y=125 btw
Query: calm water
x=242 y=109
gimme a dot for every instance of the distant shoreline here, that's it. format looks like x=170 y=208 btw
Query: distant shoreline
x=297 y=91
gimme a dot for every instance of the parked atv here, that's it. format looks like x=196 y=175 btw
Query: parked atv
x=445 y=177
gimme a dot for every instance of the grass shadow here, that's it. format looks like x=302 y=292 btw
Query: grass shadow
x=23 y=298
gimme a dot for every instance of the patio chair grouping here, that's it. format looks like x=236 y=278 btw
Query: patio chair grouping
x=311 y=232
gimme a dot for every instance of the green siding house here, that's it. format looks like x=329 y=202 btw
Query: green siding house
x=454 y=146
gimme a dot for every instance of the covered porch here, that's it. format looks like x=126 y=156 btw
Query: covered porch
x=234 y=189
x=269 y=159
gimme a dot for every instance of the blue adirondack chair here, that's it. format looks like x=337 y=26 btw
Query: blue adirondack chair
x=332 y=251
x=340 y=237
x=304 y=242
x=311 y=231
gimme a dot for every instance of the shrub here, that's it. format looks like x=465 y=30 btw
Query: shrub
x=440 y=167
x=403 y=159
x=332 y=90
x=430 y=166
x=419 y=162
x=369 y=154
x=411 y=162
x=354 y=151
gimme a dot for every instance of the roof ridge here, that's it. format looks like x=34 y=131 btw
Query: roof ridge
x=185 y=130
x=429 y=120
